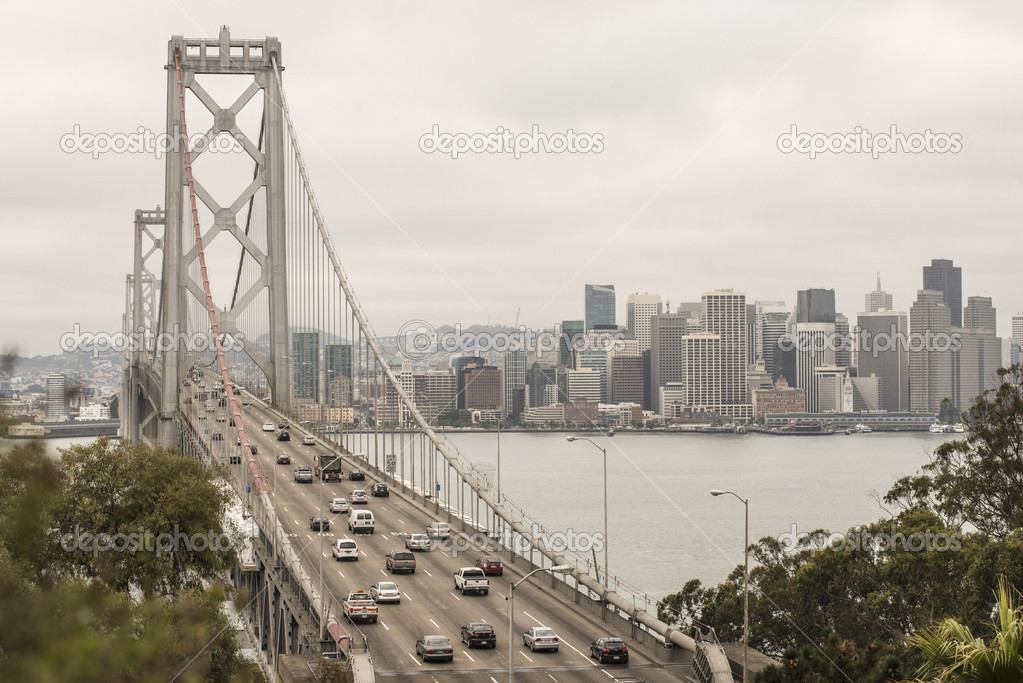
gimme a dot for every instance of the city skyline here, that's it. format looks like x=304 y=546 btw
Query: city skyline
x=678 y=147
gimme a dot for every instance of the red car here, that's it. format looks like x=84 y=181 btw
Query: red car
x=283 y=459
x=491 y=565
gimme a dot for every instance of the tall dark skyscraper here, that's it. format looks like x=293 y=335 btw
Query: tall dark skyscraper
x=571 y=332
x=600 y=305
x=815 y=306
x=942 y=276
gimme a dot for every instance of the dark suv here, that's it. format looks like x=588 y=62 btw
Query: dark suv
x=479 y=634
x=401 y=561
x=380 y=490
x=609 y=649
x=284 y=435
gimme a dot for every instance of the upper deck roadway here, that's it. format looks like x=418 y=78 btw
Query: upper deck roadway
x=429 y=603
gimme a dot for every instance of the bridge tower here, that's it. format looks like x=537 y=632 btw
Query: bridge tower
x=224 y=57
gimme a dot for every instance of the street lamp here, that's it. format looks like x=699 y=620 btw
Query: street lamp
x=561 y=568
x=323 y=612
x=745 y=584
x=604 y=451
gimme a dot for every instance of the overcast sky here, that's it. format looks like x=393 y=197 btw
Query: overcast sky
x=689 y=193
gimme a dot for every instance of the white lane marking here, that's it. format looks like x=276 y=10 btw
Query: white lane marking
x=383 y=572
x=384 y=625
x=296 y=521
x=284 y=508
x=339 y=572
x=552 y=677
x=456 y=597
x=469 y=656
x=406 y=595
x=428 y=572
x=526 y=656
x=434 y=623
x=502 y=595
x=415 y=659
x=493 y=679
x=402 y=521
x=539 y=623
x=586 y=657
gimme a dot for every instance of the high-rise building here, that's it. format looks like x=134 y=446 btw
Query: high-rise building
x=595 y=357
x=815 y=306
x=666 y=333
x=572 y=332
x=773 y=320
x=700 y=381
x=639 y=309
x=724 y=314
x=484 y=388
x=56 y=397
x=461 y=366
x=627 y=379
x=882 y=351
x=930 y=364
x=751 y=334
x=979 y=314
x=514 y=375
x=305 y=364
x=600 y=306
x=1017 y=328
x=814 y=349
x=337 y=363
x=583 y=384
x=942 y=276
x=977 y=360
x=435 y=393
x=878 y=300
x=539 y=376
x=843 y=343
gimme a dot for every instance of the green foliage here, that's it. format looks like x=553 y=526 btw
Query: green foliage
x=70 y=616
x=807 y=664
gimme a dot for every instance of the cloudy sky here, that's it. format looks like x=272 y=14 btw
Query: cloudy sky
x=689 y=192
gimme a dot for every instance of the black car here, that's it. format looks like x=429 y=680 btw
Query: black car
x=479 y=634
x=284 y=435
x=319 y=524
x=380 y=490
x=357 y=475
x=217 y=436
x=236 y=458
x=609 y=649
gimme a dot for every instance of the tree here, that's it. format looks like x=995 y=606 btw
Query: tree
x=977 y=480
x=952 y=653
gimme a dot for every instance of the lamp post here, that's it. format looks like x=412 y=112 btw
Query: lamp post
x=604 y=451
x=561 y=568
x=323 y=611
x=745 y=583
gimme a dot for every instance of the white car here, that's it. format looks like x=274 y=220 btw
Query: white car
x=438 y=530
x=308 y=440
x=345 y=549
x=339 y=505
x=540 y=638
x=418 y=542
x=268 y=426
x=385 y=591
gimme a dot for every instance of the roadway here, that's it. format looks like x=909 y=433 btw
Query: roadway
x=429 y=603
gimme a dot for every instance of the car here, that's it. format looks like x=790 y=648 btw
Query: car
x=400 y=561
x=202 y=416
x=479 y=633
x=284 y=424
x=380 y=490
x=438 y=530
x=319 y=524
x=252 y=447
x=217 y=436
x=358 y=496
x=304 y=475
x=247 y=402
x=268 y=426
x=236 y=458
x=284 y=435
x=491 y=565
x=385 y=591
x=221 y=418
x=308 y=440
x=339 y=505
x=345 y=549
x=435 y=647
x=418 y=542
x=609 y=649
x=357 y=475
x=361 y=521
x=540 y=638
x=283 y=459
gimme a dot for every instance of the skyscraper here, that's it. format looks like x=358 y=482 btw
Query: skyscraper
x=600 y=305
x=571 y=332
x=666 y=333
x=724 y=314
x=337 y=363
x=773 y=321
x=882 y=352
x=930 y=365
x=941 y=276
x=815 y=306
x=814 y=349
x=514 y=375
x=305 y=359
x=979 y=314
x=461 y=366
x=843 y=344
x=56 y=397
x=877 y=300
x=639 y=309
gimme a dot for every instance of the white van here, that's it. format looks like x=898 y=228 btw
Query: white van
x=360 y=521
